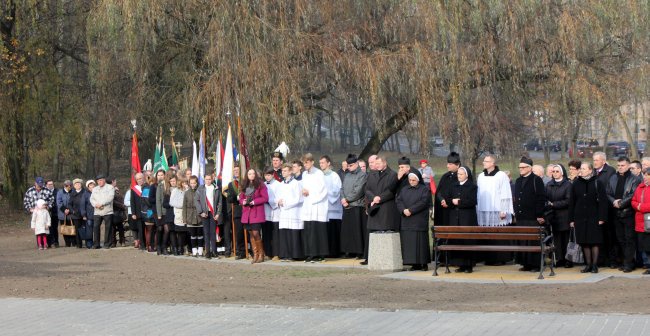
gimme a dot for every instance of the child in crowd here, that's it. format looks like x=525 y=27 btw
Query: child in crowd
x=41 y=223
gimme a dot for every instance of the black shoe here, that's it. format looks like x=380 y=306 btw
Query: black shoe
x=365 y=262
x=227 y=255
x=568 y=264
x=534 y=270
x=469 y=270
x=614 y=265
x=158 y=251
x=425 y=268
x=208 y=255
x=238 y=257
x=525 y=269
x=628 y=269
x=308 y=259
x=587 y=269
x=460 y=269
x=647 y=272
x=594 y=269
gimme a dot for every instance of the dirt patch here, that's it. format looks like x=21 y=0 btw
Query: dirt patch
x=128 y=274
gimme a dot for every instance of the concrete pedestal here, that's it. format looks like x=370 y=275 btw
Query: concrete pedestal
x=385 y=252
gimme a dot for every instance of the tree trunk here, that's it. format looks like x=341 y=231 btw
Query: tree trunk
x=384 y=132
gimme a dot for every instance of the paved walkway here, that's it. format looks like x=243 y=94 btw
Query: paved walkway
x=67 y=317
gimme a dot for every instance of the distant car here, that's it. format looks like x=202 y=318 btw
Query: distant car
x=532 y=145
x=640 y=147
x=554 y=146
x=618 y=147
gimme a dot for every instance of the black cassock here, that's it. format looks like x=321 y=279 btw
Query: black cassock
x=529 y=202
x=447 y=181
x=383 y=184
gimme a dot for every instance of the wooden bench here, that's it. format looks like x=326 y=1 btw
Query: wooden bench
x=441 y=235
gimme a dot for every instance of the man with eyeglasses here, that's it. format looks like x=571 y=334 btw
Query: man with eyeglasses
x=529 y=202
x=494 y=206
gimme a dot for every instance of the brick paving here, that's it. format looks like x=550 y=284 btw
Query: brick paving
x=19 y=316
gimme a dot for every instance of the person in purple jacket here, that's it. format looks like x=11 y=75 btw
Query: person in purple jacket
x=252 y=197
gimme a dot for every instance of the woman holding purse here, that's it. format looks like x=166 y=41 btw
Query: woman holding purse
x=641 y=206
x=587 y=213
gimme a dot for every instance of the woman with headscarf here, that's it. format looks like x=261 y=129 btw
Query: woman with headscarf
x=558 y=192
x=461 y=198
x=587 y=213
x=413 y=203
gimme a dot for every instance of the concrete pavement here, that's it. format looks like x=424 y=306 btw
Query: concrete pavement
x=20 y=316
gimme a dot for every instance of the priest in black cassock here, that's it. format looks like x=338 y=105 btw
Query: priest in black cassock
x=529 y=201
x=447 y=180
x=380 y=196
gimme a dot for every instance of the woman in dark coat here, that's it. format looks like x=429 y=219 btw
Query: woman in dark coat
x=461 y=199
x=413 y=204
x=558 y=192
x=78 y=208
x=587 y=214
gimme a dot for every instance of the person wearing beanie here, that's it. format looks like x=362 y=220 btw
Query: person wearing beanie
x=529 y=203
x=447 y=180
x=404 y=169
x=354 y=224
x=426 y=171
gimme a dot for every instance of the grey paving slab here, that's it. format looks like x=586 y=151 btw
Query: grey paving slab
x=20 y=316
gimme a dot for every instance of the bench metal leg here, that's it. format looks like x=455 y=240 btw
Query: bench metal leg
x=447 y=271
x=541 y=261
x=435 y=262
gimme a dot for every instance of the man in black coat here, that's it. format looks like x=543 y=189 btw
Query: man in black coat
x=610 y=253
x=529 y=202
x=380 y=196
x=447 y=181
x=620 y=190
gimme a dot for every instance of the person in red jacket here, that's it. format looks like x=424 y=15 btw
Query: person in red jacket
x=641 y=206
x=252 y=197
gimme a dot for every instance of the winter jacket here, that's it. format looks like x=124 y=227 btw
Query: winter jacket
x=641 y=206
x=103 y=196
x=41 y=221
x=62 y=203
x=383 y=184
x=78 y=204
x=353 y=187
x=201 y=202
x=254 y=214
x=190 y=214
x=631 y=182
x=558 y=193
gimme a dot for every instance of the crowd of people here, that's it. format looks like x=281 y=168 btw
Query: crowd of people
x=293 y=211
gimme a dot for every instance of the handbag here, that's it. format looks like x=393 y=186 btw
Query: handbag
x=68 y=229
x=573 y=250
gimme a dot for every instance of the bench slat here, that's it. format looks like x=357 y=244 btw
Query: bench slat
x=490 y=236
x=488 y=229
x=490 y=248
